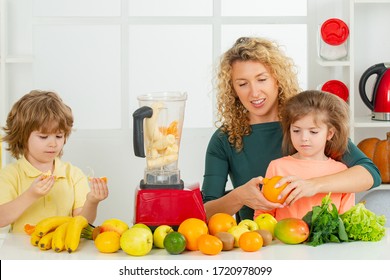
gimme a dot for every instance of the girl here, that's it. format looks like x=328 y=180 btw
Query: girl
x=315 y=134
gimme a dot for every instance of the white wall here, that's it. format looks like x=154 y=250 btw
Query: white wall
x=99 y=64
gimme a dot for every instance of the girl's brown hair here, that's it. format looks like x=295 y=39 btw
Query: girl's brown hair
x=232 y=115
x=325 y=107
x=42 y=111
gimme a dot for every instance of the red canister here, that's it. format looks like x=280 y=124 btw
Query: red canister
x=333 y=43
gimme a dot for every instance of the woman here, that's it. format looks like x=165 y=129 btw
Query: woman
x=255 y=79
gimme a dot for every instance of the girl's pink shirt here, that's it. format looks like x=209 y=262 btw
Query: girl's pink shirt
x=307 y=169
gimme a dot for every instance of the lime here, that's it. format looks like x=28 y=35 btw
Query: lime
x=175 y=243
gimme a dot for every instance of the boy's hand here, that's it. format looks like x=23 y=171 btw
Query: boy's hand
x=41 y=186
x=99 y=190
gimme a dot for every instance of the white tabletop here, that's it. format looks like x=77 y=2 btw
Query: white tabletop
x=18 y=247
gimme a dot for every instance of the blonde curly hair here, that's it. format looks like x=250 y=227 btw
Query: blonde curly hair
x=232 y=116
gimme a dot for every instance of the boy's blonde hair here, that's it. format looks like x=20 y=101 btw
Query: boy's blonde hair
x=327 y=108
x=42 y=111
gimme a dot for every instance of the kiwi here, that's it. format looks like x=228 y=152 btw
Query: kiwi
x=95 y=232
x=267 y=236
x=227 y=240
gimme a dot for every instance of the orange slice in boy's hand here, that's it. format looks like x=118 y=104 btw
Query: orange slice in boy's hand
x=47 y=174
x=102 y=178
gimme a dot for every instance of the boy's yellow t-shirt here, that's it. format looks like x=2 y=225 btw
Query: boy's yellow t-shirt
x=68 y=193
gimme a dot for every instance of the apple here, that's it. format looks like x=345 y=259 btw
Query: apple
x=159 y=235
x=141 y=225
x=266 y=221
x=114 y=225
x=250 y=224
x=237 y=231
x=136 y=241
x=292 y=230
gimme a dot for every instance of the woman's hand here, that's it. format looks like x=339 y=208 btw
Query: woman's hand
x=296 y=188
x=99 y=190
x=41 y=186
x=250 y=195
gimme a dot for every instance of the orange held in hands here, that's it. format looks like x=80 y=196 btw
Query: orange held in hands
x=220 y=222
x=270 y=192
x=192 y=228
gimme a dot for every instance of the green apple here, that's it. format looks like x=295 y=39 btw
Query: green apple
x=136 y=241
x=237 y=231
x=159 y=234
x=250 y=224
x=266 y=221
x=114 y=225
x=141 y=225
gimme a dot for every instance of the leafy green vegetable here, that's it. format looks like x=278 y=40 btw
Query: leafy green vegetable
x=362 y=224
x=325 y=224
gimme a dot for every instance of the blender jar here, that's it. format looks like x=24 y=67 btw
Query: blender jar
x=333 y=39
x=157 y=132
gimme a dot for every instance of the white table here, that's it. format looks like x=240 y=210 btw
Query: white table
x=18 y=247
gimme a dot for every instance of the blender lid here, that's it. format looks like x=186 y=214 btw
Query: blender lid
x=334 y=31
x=336 y=87
x=163 y=96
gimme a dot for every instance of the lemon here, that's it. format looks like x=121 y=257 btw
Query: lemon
x=108 y=242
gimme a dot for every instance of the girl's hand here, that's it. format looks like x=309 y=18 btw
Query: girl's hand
x=99 y=190
x=41 y=186
x=251 y=196
x=296 y=188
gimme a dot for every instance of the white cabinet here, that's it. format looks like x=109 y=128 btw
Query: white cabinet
x=369 y=43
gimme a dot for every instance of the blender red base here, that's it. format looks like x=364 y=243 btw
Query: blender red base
x=168 y=206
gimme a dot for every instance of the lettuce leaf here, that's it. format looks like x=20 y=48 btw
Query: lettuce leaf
x=363 y=224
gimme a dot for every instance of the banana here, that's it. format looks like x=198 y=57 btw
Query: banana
x=58 y=241
x=50 y=224
x=34 y=238
x=45 y=241
x=73 y=233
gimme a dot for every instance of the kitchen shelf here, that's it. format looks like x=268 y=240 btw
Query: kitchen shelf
x=366 y=121
x=328 y=63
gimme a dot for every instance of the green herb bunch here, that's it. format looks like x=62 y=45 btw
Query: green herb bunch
x=325 y=224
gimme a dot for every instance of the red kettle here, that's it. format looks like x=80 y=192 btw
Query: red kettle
x=379 y=103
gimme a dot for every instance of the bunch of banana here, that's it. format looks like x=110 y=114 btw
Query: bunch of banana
x=61 y=233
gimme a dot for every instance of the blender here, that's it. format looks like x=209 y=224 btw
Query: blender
x=162 y=197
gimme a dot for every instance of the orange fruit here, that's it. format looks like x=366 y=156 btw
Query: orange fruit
x=209 y=244
x=270 y=192
x=192 y=228
x=104 y=179
x=171 y=129
x=108 y=242
x=29 y=229
x=250 y=241
x=220 y=222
